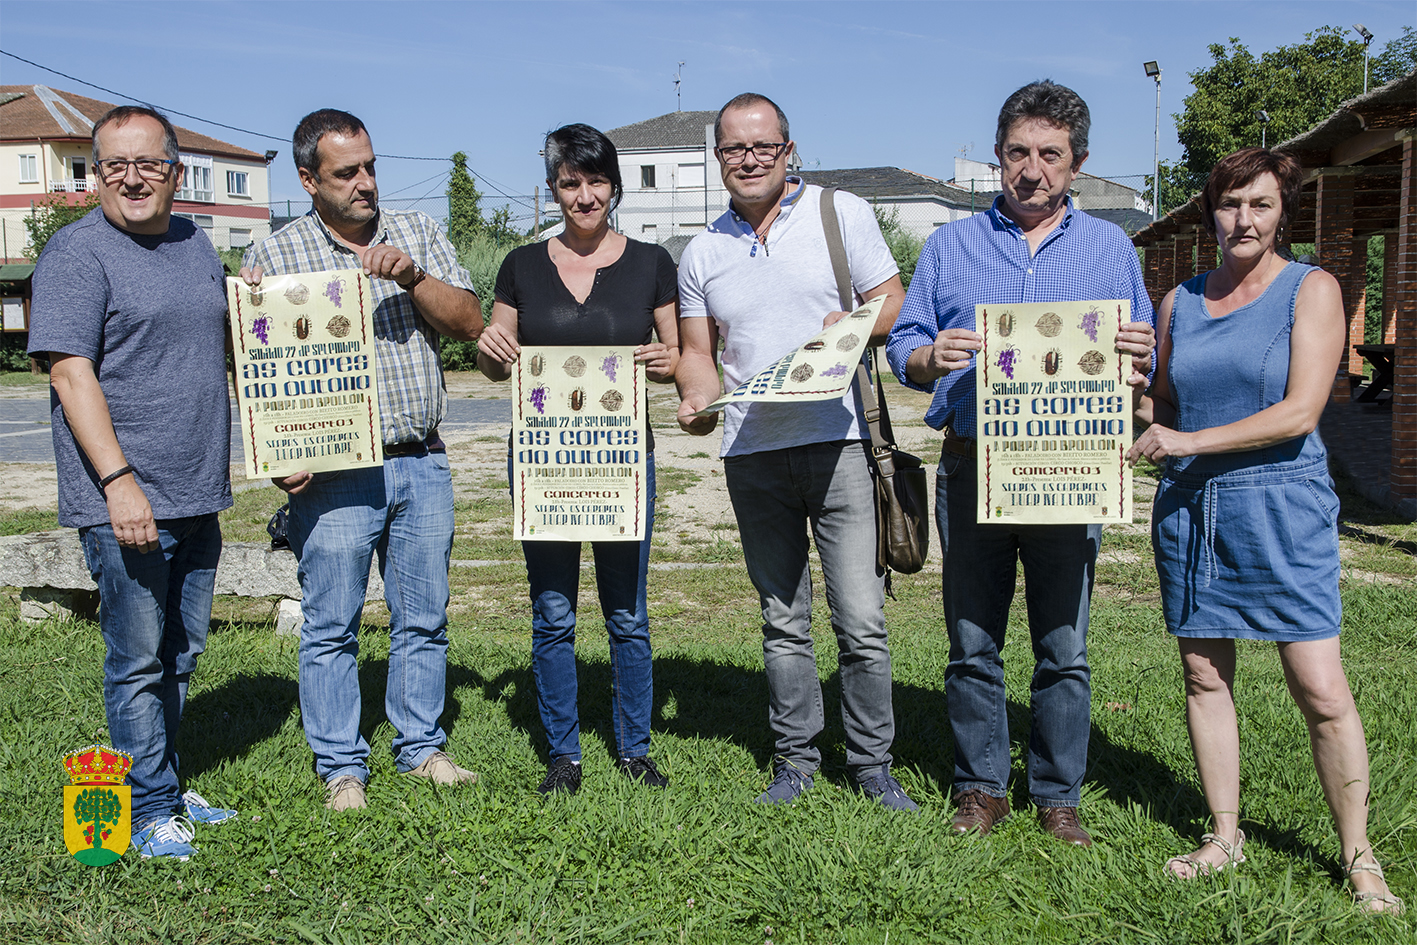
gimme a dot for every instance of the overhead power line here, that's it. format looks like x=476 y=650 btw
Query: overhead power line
x=173 y=111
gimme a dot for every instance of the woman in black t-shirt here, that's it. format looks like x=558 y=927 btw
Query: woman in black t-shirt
x=588 y=286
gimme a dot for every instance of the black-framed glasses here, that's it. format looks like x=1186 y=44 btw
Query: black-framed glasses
x=765 y=153
x=115 y=169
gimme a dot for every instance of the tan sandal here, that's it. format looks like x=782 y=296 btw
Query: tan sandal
x=1233 y=857
x=1374 y=903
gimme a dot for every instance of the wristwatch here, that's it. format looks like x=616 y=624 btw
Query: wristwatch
x=419 y=274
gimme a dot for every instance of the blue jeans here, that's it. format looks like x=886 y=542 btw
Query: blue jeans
x=154 y=611
x=979 y=570
x=776 y=495
x=553 y=568
x=404 y=511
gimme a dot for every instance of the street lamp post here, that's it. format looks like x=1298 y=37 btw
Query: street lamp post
x=1153 y=70
x=1367 y=38
x=1263 y=116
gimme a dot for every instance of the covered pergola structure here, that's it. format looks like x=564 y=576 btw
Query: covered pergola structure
x=1360 y=180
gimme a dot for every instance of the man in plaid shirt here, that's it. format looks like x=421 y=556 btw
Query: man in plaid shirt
x=404 y=510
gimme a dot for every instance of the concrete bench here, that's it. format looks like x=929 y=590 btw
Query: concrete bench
x=54 y=581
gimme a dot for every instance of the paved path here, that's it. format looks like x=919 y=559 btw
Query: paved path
x=25 y=435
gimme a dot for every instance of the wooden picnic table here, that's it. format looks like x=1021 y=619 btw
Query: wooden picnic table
x=1381 y=358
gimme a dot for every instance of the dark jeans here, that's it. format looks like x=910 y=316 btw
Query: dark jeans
x=979 y=570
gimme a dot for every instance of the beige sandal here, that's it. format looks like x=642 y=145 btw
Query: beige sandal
x=1374 y=903
x=1233 y=857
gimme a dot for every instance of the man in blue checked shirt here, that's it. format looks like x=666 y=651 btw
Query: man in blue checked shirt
x=1032 y=245
x=404 y=510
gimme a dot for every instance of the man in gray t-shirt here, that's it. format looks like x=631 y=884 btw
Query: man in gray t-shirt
x=130 y=308
x=761 y=278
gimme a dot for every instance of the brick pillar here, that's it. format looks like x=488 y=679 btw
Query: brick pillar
x=1357 y=295
x=1389 y=286
x=1149 y=276
x=1206 y=250
x=1185 y=261
x=1404 y=388
x=1333 y=225
x=1165 y=269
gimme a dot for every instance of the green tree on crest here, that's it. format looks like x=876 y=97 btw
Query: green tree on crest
x=99 y=807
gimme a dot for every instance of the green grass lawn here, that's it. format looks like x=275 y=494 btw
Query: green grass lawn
x=699 y=862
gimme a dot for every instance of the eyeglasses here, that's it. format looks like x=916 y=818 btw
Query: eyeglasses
x=765 y=153
x=115 y=169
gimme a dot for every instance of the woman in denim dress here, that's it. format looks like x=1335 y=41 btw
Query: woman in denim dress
x=1244 y=524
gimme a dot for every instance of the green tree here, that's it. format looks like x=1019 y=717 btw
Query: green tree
x=904 y=246
x=1297 y=85
x=501 y=230
x=1398 y=58
x=100 y=808
x=464 y=204
x=51 y=215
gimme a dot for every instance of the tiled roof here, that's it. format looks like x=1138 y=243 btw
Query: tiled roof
x=868 y=182
x=37 y=111
x=674 y=130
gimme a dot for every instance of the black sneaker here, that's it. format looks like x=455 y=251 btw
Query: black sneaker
x=642 y=769
x=563 y=777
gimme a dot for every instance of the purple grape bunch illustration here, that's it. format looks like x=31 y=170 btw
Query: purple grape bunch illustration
x=334 y=290
x=538 y=398
x=835 y=371
x=1090 y=320
x=1006 y=361
x=261 y=328
x=610 y=365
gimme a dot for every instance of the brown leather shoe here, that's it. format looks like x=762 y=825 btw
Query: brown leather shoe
x=978 y=811
x=1062 y=822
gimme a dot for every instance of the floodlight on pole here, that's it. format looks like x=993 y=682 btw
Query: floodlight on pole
x=1154 y=70
x=1367 y=38
x=1263 y=116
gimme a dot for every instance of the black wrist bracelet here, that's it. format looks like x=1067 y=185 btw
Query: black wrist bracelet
x=116 y=474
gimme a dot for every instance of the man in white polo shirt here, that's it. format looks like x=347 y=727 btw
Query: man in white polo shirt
x=761 y=278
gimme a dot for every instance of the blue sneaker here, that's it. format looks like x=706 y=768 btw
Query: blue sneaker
x=787 y=785
x=169 y=836
x=884 y=789
x=199 y=811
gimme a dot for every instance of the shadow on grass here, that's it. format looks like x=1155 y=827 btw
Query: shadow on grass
x=722 y=701
x=224 y=723
x=707 y=699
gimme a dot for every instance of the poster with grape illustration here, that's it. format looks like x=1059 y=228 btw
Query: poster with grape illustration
x=820 y=369
x=306 y=391
x=578 y=445
x=1054 y=413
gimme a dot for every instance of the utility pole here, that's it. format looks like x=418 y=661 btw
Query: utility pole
x=1154 y=70
x=678 y=98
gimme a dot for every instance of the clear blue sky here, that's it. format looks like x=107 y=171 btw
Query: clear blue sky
x=904 y=84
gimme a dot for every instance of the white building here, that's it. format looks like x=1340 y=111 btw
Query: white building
x=670 y=174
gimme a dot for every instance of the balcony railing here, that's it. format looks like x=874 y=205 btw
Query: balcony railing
x=73 y=185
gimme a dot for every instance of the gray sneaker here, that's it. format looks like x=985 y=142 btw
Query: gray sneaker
x=787 y=785
x=884 y=789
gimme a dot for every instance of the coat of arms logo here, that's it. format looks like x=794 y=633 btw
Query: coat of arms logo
x=97 y=805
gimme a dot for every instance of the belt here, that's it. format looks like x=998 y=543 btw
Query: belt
x=434 y=444
x=959 y=445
